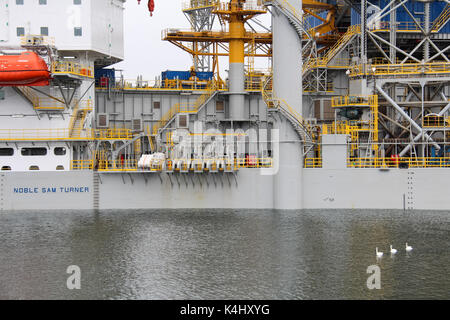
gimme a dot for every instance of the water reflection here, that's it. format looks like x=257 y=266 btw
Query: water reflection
x=224 y=254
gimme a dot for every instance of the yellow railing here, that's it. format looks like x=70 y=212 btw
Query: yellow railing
x=111 y=134
x=401 y=26
x=198 y=4
x=82 y=165
x=63 y=134
x=353 y=100
x=132 y=165
x=65 y=67
x=442 y=19
x=32 y=39
x=249 y=5
x=252 y=83
x=41 y=103
x=432 y=68
x=443 y=162
x=179 y=108
x=323 y=61
x=436 y=121
x=313 y=162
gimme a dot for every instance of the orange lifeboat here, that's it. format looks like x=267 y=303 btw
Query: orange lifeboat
x=26 y=69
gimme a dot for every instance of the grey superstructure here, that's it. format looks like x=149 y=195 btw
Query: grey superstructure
x=369 y=129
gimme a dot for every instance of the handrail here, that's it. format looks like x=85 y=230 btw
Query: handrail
x=442 y=19
x=323 y=61
x=63 y=134
x=401 y=69
x=393 y=162
x=132 y=164
x=66 y=67
x=41 y=103
x=198 y=4
x=178 y=108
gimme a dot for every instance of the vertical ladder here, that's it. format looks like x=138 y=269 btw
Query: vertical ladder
x=96 y=186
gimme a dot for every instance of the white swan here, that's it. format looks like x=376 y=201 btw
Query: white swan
x=379 y=254
x=408 y=248
x=393 y=251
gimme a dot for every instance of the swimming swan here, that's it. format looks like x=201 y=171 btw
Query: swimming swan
x=379 y=254
x=393 y=251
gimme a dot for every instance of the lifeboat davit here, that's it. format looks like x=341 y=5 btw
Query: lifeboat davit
x=26 y=69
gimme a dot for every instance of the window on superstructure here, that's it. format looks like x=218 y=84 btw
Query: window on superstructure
x=44 y=31
x=19 y=2
x=20 y=31
x=182 y=120
x=6 y=152
x=77 y=2
x=60 y=168
x=34 y=151
x=6 y=168
x=219 y=106
x=156 y=105
x=78 y=32
x=34 y=168
x=42 y=1
x=60 y=151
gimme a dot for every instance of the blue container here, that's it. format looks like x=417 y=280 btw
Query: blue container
x=172 y=75
x=185 y=75
x=205 y=75
x=416 y=8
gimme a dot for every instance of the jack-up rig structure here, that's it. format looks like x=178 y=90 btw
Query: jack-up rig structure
x=348 y=84
x=384 y=85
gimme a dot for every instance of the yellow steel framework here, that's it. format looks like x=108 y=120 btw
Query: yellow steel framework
x=354 y=127
x=401 y=70
x=236 y=13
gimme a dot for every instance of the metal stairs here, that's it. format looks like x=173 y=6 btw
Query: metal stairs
x=77 y=119
x=337 y=48
x=38 y=102
x=170 y=116
x=294 y=17
x=442 y=19
x=302 y=128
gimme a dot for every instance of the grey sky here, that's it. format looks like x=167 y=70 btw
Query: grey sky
x=145 y=53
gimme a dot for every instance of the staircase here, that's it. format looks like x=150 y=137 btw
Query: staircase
x=340 y=45
x=170 y=115
x=40 y=103
x=77 y=119
x=294 y=17
x=302 y=128
x=442 y=19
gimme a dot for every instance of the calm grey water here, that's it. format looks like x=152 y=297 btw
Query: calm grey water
x=224 y=254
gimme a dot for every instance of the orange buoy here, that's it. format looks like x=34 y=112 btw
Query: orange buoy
x=26 y=69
